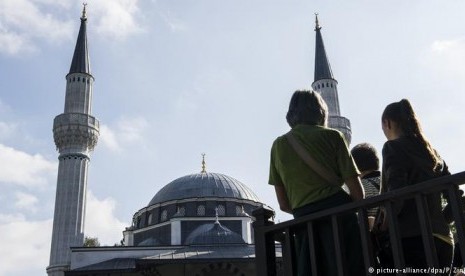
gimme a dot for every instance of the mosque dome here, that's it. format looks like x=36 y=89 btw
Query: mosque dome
x=202 y=185
x=213 y=233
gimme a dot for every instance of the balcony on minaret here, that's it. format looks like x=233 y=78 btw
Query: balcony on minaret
x=75 y=130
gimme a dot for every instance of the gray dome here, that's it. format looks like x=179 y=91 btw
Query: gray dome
x=204 y=185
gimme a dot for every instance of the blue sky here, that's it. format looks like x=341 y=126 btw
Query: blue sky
x=174 y=79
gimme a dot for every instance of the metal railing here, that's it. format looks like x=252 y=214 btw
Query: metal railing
x=267 y=234
x=66 y=119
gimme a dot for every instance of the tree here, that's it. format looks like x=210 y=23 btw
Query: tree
x=91 y=242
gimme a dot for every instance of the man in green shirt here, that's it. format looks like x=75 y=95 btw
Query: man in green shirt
x=301 y=191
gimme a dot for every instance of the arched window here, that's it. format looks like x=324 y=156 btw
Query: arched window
x=181 y=211
x=164 y=215
x=149 y=219
x=201 y=210
x=221 y=210
x=239 y=209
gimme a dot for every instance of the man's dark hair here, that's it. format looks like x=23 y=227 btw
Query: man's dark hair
x=366 y=157
x=307 y=107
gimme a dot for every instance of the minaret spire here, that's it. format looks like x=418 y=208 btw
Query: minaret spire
x=75 y=132
x=81 y=62
x=325 y=84
x=322 y=67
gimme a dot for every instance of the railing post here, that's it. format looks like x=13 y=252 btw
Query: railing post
x=365 y=236
x=265 y=252
x=338 y=247
x=426 y=230
x=312 y=248
x=288 y=252
x=394 y=236
x=455 y=201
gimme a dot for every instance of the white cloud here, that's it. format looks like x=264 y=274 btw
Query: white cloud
x=23 y=21
x=26 y=245
x=7 y=129
x=173 y=23
x=446 y=57
x=102 y=223
x=116 y=18
x=12 y=43
x=108 y=138
x=127 y=131
x=132 y=129
x=24 y=169
x=26 y=201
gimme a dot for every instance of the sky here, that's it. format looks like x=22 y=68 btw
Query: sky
x=175 y=79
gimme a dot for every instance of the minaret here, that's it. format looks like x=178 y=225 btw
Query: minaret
x=75 y=132
x=325 y=84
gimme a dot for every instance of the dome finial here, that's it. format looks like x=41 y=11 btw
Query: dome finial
x=84 y=15
x=203 y=164
x=216 y=216
x=317 y=23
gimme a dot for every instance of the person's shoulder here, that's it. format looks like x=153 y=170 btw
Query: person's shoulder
x=393 y=144
x=333 y=135
x=279 y=140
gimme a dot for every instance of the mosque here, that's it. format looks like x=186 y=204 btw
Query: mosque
x=198 y=224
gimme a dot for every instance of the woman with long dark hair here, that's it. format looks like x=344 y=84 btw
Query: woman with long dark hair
x=408 y=159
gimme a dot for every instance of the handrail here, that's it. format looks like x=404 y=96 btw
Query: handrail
x=266 y=230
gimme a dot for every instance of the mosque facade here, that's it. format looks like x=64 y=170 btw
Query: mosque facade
x=198 y=224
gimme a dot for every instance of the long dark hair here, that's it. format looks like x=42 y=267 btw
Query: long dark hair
x=307 y=107
x=402 y=113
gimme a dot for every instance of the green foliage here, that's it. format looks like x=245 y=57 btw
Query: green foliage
x=91 y=242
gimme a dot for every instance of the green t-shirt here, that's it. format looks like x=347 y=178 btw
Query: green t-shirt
x=302 y=184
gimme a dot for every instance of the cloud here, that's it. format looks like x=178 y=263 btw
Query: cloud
x=446 y=56
x=103 y=224
x=26 y=245
x=12 y=43
x=108 y=138
x=6 y=129
x=126 y=131
x=24 y=24
x=132 y=129
x=23 y=169
x=173 y=23
x=26 y=201
x=116 y=18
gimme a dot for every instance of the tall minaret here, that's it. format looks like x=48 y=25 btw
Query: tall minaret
x=325 y=84
x=75 y=132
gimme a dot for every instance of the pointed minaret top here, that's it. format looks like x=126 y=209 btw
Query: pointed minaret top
x=81 y=62
x=322 y=67
x=203 y=164
x=317 y=24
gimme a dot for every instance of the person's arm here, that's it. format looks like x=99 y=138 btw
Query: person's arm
x=282 y=199
x=356 y=190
